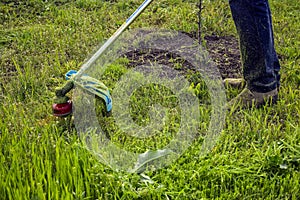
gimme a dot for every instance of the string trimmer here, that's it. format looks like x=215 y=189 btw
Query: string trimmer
x=62 y=106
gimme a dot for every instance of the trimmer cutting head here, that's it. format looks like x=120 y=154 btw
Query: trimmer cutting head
x=62 y=106
x=62 y=109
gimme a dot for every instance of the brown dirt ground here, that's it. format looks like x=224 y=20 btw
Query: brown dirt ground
x=226 y=55
x=223 y=50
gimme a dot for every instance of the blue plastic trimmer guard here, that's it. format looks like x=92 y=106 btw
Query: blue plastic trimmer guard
x=92 y=85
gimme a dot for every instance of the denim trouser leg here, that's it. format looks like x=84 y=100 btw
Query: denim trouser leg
x=259 y=59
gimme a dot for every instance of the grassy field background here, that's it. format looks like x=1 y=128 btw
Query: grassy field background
x=257 y=156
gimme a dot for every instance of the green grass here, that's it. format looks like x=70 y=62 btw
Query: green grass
x=257 y=156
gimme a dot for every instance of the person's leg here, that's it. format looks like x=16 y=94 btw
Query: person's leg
x=254 y=25
x=275 y=57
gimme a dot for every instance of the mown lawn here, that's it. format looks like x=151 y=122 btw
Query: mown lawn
x=41 y=157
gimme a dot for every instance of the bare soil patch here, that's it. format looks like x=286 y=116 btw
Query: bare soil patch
x=223 y=50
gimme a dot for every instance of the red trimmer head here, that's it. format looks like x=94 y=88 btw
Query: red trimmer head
x=62 y=106
x=62 y=109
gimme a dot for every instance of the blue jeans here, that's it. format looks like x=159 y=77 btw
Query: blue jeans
x=253 y=22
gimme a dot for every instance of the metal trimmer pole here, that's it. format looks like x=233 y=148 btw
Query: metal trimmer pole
x=114 y=37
